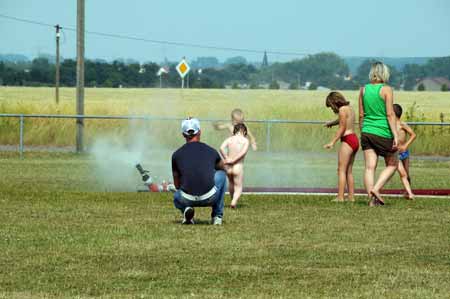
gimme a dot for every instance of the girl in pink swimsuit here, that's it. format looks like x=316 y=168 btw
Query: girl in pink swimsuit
x=349 y=143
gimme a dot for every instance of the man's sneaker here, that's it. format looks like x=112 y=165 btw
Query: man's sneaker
x=188 y=216
x=217 y=220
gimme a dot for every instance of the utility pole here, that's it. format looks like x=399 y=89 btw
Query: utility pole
x=80 y=75
x=58 y=28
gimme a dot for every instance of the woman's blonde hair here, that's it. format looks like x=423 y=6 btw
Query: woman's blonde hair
x=379 y=72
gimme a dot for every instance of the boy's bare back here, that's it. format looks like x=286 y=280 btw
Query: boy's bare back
x=402 y=133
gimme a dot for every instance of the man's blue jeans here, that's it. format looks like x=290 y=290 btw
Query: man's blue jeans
x=216 y=201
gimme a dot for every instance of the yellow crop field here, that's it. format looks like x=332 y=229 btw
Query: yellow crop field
x=203 y=103
x=214 y=103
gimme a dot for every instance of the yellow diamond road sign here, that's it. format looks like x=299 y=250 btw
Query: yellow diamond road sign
x=183 y=68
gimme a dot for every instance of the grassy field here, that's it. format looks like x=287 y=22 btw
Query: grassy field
x=215 y=104
x=60 y=238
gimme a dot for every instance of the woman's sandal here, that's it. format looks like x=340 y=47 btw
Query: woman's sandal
x=407 y=197
x=377 y=197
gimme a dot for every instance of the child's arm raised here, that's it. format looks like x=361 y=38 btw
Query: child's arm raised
x=252 y=140
x=332 y=123
x=340 y=131
x=412 y=137
x=223 y=126
x=241 y=154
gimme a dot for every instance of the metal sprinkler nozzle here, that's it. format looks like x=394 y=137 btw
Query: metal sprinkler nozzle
x=146 y=178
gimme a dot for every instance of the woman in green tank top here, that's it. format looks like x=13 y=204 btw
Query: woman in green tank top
x=378 y=130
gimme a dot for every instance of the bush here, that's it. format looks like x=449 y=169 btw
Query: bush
x=254 y=85
x=312 y=86
x=274 y=85
x=294 y=85
x=444 y=87
x=421 y=87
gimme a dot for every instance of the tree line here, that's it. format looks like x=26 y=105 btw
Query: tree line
x=322 y=69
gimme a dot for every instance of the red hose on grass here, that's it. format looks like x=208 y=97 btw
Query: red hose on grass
x=422 y=192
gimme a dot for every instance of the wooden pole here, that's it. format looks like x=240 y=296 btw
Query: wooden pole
x=80 y=75
x=57 y=64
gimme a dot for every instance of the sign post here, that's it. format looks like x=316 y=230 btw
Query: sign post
x=162 y=71
x=183 y=69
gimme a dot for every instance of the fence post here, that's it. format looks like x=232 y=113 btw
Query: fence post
x=21 y=135
x=268 y=126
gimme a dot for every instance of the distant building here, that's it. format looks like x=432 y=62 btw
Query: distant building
x=323 y=88
x=283 y=84
x=433 y=83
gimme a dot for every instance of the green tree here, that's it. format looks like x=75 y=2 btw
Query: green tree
x=438 y=67
x=362 y=74
x=312 y=86
x=444 y=87
x=2 y=72
x=274 y=85
x=421 y=87
x=322 y=68
x=68 y=71
x=412 y=73
x=236 y=60
x=205 y=62
x=254 y=85
x=293 y=85
x=42 y=71
x=148 y=77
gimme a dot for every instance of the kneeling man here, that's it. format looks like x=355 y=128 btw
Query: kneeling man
x=198 y=174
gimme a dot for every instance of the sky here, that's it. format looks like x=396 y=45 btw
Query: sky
x=382 y=28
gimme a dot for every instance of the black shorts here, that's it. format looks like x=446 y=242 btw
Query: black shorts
x=381 y=145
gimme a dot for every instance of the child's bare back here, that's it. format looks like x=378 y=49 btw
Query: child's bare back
x=350 y=125
x=233 y=150
x=402 y=133
x=236 y=145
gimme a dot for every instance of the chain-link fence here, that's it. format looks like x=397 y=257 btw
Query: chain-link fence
x=289 y=154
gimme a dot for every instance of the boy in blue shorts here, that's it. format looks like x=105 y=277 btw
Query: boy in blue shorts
x=403 y=143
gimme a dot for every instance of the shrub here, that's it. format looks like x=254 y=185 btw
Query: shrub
x=421 y=87
x=274 y=85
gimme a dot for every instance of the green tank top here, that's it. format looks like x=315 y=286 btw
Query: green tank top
x=375 y=119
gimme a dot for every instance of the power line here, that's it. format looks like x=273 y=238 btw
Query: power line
x=162 y=42
x=25 y=20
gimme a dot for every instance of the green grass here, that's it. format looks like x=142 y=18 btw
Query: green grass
x=216 y=104
x=59 y=240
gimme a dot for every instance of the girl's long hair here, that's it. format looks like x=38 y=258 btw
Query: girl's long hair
x=336 y=100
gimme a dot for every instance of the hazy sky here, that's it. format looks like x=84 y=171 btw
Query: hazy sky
x=348 y=27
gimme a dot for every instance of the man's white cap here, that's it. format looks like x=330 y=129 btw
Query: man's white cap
x=190 y=126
